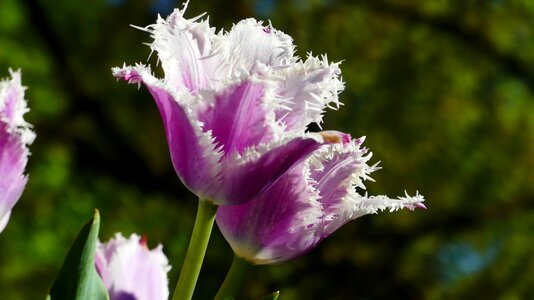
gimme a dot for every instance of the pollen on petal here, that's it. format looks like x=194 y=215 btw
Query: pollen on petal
x=335 y=137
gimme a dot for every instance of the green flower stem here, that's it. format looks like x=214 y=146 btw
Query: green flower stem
x=196 y=250
x=233 y=279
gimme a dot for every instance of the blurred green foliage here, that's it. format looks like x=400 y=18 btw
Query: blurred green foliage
x=443 y=90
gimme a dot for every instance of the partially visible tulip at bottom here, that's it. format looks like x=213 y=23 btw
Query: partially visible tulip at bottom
x=132 y=271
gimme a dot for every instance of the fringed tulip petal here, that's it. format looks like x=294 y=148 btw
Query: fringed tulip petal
x=192 y=151
x=184 y=47
x=278 y=225
x=15 y=136
x=250 y=42
x=306 y=204
x=306 y=89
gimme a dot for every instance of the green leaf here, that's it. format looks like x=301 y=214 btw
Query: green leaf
x=78 y=278
x=272 y=296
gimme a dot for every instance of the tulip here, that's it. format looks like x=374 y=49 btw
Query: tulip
x=15 y=136
x=235 y=107
x=131 y=271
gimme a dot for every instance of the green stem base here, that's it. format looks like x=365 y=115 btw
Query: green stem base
x=196 y=250
x=233 y=279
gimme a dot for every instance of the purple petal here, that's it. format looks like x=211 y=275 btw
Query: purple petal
x=131 y=271
x=245 y=178
x=192 y=151
x=187 y=152
x=238 y=119
x=306 y=204
x=123 y=296
x=13 y=159
x=15 y=135
x=278 y=225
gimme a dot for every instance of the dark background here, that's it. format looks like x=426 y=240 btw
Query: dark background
x=443 y=90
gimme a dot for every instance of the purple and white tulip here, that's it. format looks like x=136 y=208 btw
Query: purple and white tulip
x=307 y=204
x=15 y=136
x=235 y=105
x=131 y=271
